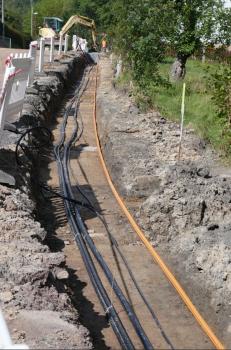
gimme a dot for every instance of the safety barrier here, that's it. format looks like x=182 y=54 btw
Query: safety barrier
x=63 y=46
x=20 y=70
x=79 y=43
x=16 y=80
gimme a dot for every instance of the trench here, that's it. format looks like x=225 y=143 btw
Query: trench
x=84 y=167
x=51 y=214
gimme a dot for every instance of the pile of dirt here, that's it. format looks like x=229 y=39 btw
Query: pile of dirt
x=34 y=281
x=182 y=205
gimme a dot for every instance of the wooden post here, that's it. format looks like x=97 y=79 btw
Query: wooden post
x=182 y=120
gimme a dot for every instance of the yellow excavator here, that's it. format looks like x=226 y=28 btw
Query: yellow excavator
x=52 y=24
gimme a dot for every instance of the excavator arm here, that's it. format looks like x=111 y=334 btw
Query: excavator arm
x=85 y=21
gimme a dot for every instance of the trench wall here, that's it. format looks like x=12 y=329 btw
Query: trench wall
x=31 y=275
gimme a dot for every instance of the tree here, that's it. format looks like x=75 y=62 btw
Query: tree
x=138 y=30
x=196 y=23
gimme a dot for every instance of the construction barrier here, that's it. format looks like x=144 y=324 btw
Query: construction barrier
x=20 y=71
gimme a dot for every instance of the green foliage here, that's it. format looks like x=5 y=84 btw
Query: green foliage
x=18 y=40
x=201 y=109
x=197 y=22
x=138 y=30
x=221 y=92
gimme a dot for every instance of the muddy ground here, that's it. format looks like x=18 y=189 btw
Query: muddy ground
x=182 y=205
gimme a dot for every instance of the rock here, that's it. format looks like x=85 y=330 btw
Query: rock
x=9 y=204
x=6 y=297
x=61 y=274
x=204 y=172
x=7 y=179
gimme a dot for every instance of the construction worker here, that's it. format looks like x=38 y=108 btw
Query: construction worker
x=104 y=44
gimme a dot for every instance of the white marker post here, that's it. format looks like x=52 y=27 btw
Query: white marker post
x=182 y=120
x=41 y=55
x=74 y=43
x=60 y=44
x=66 y=43
x=52 y=49
x=32 y=54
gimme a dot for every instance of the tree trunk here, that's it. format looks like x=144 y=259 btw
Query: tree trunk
x=203 y=54
x=178 y=69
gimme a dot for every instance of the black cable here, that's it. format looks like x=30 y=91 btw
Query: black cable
x=132 y=316
x=114 y=243
x=91 y=207
x=114 y=319
x=34 y=147
x=88 y=206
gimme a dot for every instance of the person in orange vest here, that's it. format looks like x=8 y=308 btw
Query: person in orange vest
x=104 y=44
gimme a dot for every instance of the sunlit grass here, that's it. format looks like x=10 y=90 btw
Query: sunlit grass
x=200 y=111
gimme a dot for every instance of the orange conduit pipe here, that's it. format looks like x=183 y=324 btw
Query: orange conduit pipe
x=203 y=324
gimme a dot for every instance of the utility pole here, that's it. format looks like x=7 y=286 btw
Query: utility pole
x=31 y=18
x=3 y=20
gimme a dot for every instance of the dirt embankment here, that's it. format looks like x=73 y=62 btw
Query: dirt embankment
x=183 y=206
x=33 y=291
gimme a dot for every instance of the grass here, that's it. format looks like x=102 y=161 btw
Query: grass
x=200 y=111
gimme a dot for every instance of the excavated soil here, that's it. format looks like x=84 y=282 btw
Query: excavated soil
x=182 y=205
x=33 y=295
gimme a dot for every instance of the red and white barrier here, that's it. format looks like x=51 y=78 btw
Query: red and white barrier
x=13 y=93
x=20 y=70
